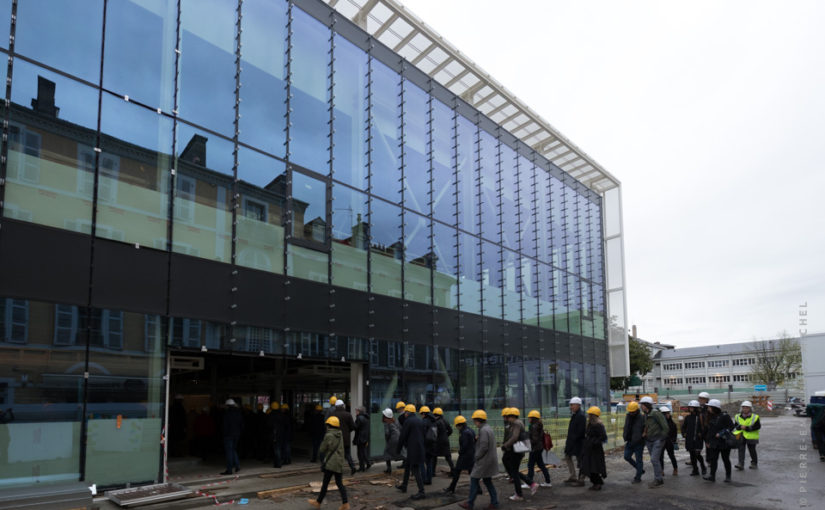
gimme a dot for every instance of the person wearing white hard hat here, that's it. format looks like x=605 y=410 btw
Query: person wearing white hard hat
x=747 y=427
x=576 y=430
x=347 y=426
x=670 y=440
x=703 y=399
x=392 y=433
x=692 y=434
x=232 y=428
x=719 y=430
x=655 y=433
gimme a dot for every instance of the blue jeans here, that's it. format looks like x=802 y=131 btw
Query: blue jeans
x=631 y=451
x=474 y=486
x=654 y=448
x=230 y=448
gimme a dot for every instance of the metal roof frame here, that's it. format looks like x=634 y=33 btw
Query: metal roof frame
x=402 y=31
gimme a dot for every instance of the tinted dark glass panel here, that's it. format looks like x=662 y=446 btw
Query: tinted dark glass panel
x=263 y=75
x=63 y=35
x=140 y=51
x=207 y=64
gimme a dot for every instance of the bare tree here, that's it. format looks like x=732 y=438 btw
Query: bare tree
x=777 y=361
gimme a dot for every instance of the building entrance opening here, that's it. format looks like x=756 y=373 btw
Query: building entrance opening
x=282 y=405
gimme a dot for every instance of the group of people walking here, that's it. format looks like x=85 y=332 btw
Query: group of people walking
x=708 y=427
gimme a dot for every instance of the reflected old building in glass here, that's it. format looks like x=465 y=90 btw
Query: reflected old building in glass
x=260 y=199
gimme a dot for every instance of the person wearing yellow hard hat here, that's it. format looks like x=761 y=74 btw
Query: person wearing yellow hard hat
x=392 y=433
x=347 y=426
x=516 y=443
x=412 y=438
x=276 y=432
x=440 y=445
x=593 y=464
x=287 y=435
x=537 y=447
x=316 y=431
x=466 y=452
x=634 y=441
x=575 y=442
x=332 y=448
x=692 y=434
x=400 y=409
x=485 y=463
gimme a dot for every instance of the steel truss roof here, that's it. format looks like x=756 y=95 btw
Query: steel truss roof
x=402 y=31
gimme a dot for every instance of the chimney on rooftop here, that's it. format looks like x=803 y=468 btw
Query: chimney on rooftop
x=45 y=98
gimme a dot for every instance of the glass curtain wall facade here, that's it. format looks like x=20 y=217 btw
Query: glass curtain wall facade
x=264 y=177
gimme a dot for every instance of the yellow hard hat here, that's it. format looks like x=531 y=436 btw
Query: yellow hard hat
x=438 y=411
x=332 y=421
x=332 y=400
x=275 y=405
x=632 y=407
x=514 y=412
x=459 y=419
x=400 y=405
x=594 y=410
x=479 y=415
x=318 y=408
x=505 y=411
x=409 y=408
x=424 y=409
x=285 y=406
x=534 y=414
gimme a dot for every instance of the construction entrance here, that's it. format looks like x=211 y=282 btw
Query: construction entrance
x=201 y=383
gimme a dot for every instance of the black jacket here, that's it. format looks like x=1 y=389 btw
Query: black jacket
x=575 y=434
x=442 y=443
x=634 y=426
x=232 y=422
x=716 y=424
x=412 y=438
x=347 y=424
x=673 y=432
x=362 y=429
x=593 y=450
x=692 y=432
x=466 y=449
x=536 y=436
x=317 y=429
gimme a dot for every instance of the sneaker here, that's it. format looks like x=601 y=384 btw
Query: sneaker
x=418 y=495
x=636 y=480
x=655 y=484
x=739 y=467
x=516 y=497
x=675 y=472
x=227 y=472
x=694 y=473
x=727 y=479
x=345 y=506
x=524 y=486
x=447 y=490
x=402 y=488
x=545 y=484
x=533 y=488
x=709 y=478
x=754 y=466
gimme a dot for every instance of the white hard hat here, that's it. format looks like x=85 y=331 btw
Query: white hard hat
x=387 y=413
x=646 y=400
x=339 y=403
x=229 y=402
x=576 y=400
x=715 y=403
x=694 y=403
x=664 y=409
x=747 y=403
x=704 y=394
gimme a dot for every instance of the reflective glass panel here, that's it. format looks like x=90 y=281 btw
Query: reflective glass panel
x=350 y=90
x=309 y=208
x=543 y=220
x=63 y=35
x=309 y=119
x=444 y=178
x=511 y=284
x=52 y=123
x=561 y=305
x=134 y=171
x=469 y=272
x=529 y=290
x=467 y=177
x=510 y=229
x=350 y=237
x=472 y=389
x=491 y=279
x=557 y=217
x=495 y=387
x=386 y=131
x=139 y=59
x=125 y=397
x=546 y=296
x=527 y=206
x=263 y=75
x=575 y=302
x=207 y=64
x=445 y=252
x=5 y=17
x=261 y=201
x=489 y=191
x=387 y=248
x=418 y=256
x=416 y=148
x=202 y=221
x=598 y=312
x=308 y=264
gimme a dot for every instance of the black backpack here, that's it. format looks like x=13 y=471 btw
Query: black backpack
x=432 y=433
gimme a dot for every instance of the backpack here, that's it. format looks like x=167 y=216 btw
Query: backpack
x=432 y=433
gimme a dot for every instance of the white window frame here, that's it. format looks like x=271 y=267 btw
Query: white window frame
x=265 y=206
x=8 y=320
x=185 y=200
x=151 y=332
x=26 y=170
x=72 y=328
x=86 y=175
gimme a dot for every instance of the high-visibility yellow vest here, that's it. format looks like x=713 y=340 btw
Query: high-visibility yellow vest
x=747 y=422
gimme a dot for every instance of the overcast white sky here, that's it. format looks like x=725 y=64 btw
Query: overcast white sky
x=712 y=114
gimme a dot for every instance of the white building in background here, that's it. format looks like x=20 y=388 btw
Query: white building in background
x=813 y=363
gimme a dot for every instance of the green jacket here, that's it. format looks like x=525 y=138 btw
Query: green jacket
x=656 y=426
x=332 y=448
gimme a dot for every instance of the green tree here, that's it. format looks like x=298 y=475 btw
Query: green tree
x=641 y=362
x=777 y=361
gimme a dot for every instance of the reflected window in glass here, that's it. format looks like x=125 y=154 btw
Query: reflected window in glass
x=350 y=237
x=387 y=248
x=418 y=256
x=309 y=208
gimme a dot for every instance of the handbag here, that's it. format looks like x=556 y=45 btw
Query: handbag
x=521 y=446
x=728 y=439
x=548 y=441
